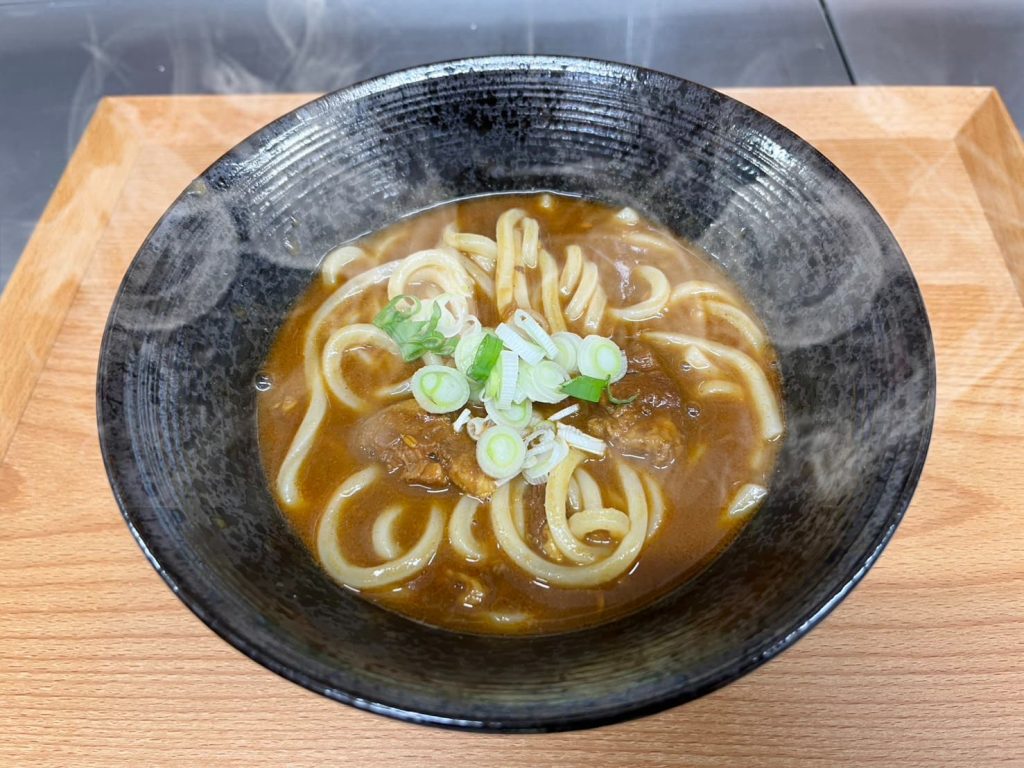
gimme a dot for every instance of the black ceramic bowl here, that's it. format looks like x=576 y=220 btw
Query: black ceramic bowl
x=201 y=303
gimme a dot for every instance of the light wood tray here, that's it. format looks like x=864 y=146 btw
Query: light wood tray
x=922 y=665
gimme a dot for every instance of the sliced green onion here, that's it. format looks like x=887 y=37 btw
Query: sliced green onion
x=616 y=400
x=577 y=438
x=551 y=455
x=585 y=388
x=540 y=423
x=527 y=350
x=465 y=350
x=531 y=328
x=568 y=345
x=486 y=357
x=400 y=308
x=452 y=310
x=500 y=452
x=517 y=415
x=476 y=391
x=508 y=363
x=601 y=358
x=543 y=434
x=565 y=413
x=439 y=389
x=492 y=387
x=543 y=382
x=477 y=425
x=462 y=419
x=413 y=337
x=501 y=385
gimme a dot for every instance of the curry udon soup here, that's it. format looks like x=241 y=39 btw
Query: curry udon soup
x=519 y=414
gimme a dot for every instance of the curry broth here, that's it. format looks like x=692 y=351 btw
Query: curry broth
x=720 y=438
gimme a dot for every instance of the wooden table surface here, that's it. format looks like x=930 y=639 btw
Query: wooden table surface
x=922 y=665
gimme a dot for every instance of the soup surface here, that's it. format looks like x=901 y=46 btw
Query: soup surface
x=656 y=478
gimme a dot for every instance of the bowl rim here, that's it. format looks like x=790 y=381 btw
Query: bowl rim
x=610 y=714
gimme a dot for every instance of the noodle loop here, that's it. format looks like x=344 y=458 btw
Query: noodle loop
x=518 y=413
x=371 y=577
x=591 y=574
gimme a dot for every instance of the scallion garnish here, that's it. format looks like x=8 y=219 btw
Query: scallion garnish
x=486 y=358
x=413 y=337
x=585 y=388
x=440 y=389
x=617 y=400
x=601 y=358
x=500 y=452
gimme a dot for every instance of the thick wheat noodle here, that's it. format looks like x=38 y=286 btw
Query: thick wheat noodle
x=584 y=291
x=520 y=284
x=594 y=574
x=505 y=263
x=531 y=235
x=347 y=337
x=739 y=320
x=336 y=261
x=595 y=311
x=657 y=296
x=481 y=278
x=480 y=248
x=549 y=293
x=720 y=388
x=697 y=360
x=653 y=241
x=383 y=533
x=430 y=275
x=381 y=249
x=390 y=572
x=521 y=289
x=761 y=394
x=655 y=503
x=518 y=508
x=555 y=497
x=589 y=490
x=548 y=547
x=699 y=289
x=573 y=494
x=441 y=266
x=460 y=529
x=571 y=271
x=302 y=441
x=398 y=390
x=599 y=519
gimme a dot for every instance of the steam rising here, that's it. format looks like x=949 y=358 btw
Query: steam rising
x=771 y=215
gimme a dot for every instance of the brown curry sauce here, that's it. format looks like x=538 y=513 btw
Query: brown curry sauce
x=712 y=456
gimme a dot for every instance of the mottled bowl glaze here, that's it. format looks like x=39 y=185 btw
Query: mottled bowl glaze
x=200 y=305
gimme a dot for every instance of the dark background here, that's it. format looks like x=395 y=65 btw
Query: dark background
x=57 y=59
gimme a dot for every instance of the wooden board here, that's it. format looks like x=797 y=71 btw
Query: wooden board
x=922 y=665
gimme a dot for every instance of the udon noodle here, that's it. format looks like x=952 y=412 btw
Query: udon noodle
x=519 y=414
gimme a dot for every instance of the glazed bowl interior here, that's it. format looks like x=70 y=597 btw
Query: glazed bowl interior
x=200 y=305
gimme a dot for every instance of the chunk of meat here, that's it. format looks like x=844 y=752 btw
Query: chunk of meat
x=639 y=357
x=645 y=428
x=423 y=449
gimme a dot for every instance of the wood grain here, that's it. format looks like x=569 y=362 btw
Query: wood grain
x=60 y=250
x=993 y=152
x=922 y=665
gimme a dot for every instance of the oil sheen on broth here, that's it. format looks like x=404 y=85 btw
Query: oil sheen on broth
x=373 y=481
